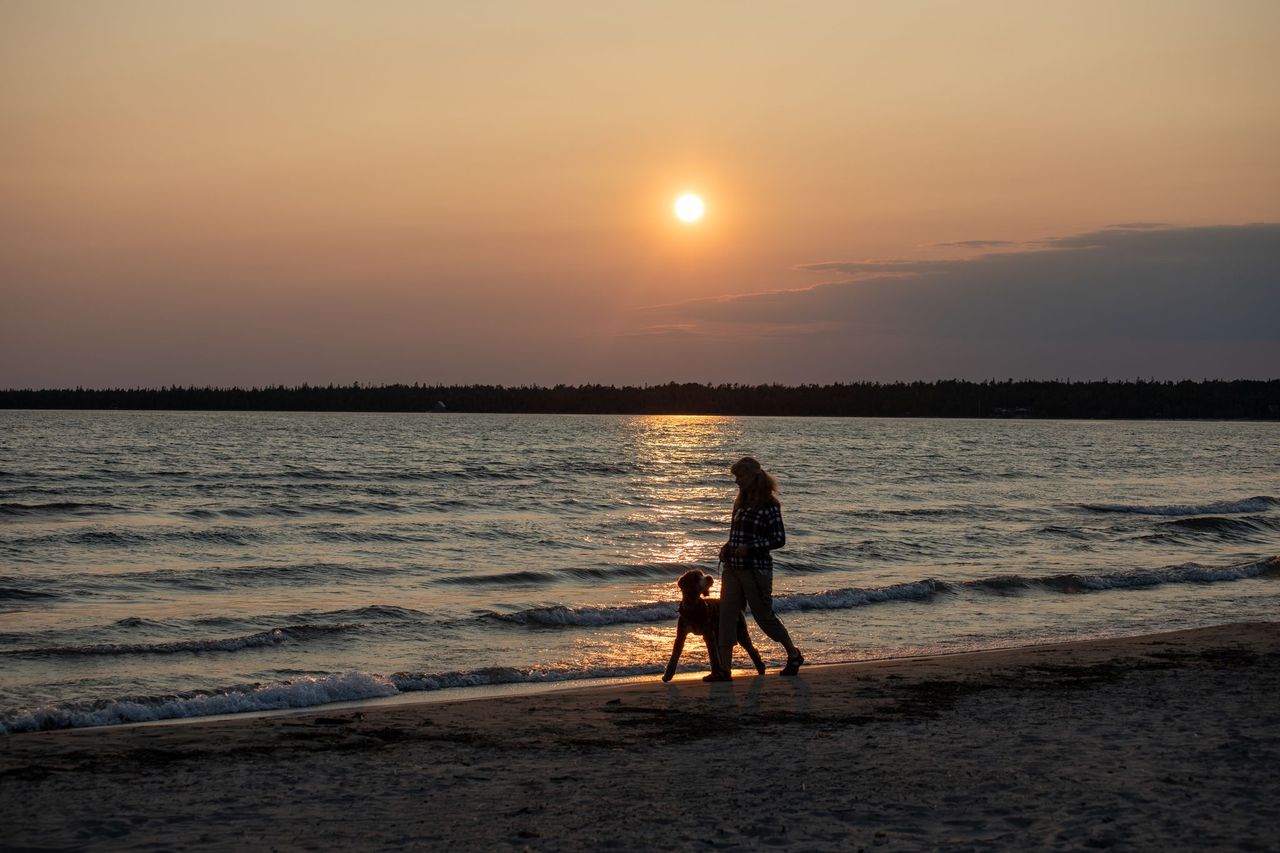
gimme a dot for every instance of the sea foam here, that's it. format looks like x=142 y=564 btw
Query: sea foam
x=300 y=693
x=304 y=692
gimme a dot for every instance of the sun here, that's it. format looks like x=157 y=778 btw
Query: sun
x=689 y=208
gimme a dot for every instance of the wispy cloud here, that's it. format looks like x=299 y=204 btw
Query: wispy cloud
x=976 y=244
x=864 y=267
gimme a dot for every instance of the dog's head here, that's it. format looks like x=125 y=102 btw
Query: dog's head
x=695 y=583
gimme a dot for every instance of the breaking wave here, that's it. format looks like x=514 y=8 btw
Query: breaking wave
x=561 y=616
x=304 y=692
x=300 y=693
x=843 y=599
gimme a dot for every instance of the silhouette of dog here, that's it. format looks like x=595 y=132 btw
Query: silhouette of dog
x=700 y=615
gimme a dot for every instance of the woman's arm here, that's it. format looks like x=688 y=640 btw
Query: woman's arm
x=682 y=631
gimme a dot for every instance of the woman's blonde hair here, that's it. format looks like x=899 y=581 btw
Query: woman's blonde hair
x=761 y=492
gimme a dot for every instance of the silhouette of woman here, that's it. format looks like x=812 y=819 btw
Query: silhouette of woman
x=747 y=578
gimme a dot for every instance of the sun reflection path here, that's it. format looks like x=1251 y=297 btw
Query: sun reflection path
x=680 y=492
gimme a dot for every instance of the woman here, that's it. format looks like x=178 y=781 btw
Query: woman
x=748 y=568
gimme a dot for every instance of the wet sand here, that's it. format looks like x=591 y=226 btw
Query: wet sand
x=1169 y=741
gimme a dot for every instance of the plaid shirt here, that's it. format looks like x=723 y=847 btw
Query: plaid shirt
x=760 y=530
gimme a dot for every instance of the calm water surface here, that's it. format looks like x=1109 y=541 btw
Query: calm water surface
x=157 y=565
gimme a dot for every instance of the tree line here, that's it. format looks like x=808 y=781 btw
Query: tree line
x=1216 y=399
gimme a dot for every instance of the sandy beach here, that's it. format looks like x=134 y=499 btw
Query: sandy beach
x=1154 y=742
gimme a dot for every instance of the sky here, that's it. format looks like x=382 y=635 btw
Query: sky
x=255 y=193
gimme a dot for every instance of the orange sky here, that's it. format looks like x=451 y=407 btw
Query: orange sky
x=250 y=193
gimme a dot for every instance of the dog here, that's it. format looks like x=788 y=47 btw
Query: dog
x=700 y=614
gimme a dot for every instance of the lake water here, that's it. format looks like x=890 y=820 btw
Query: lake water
x=157 y=565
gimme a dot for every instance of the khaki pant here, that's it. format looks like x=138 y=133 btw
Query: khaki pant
x=739 y=586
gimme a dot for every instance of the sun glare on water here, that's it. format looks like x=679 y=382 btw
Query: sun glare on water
x=689 y=208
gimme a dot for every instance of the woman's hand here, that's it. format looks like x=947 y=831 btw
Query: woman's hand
x=741 y=551
x=724 y=553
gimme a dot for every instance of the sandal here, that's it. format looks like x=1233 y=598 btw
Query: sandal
x=793 y=664
x=717 y=676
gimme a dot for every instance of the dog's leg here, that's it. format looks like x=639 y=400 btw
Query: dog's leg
x=681 y=631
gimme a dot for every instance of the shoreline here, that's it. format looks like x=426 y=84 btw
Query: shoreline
x=1156 y=740
x=1213 y=419
x=535 y=688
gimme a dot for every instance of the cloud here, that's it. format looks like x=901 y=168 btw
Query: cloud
x=976 y=244
x=862 y=267
x=1121 y=301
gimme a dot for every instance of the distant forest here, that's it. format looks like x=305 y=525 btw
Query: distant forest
x=1215 y=399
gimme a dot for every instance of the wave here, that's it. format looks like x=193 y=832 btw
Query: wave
x=626 y=570
x=105 y=537
x=1214 y=523
x=835 y=599
x=962 y=511
x=1209 y=522
x=1245 y=529
x=1067 y=532
x=272 y=637
x=561 y=616
x=248 y=576
x=999 y=584
x=370 y=613
x=566 y=467
x=1258 y=503
x=295 y=510
x=138 y=538
x=56 y=508
x=843 y=599
x=667 y=571
x=632 y=570
x=414 y=682
x=212 y=579
x=372 y=536
x=219 y=633
x=13 y=593
x=306 y=692
x=501 y=579
x=135 y=622
x=1143 y=578
x=301 y=693
x=660 y=611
